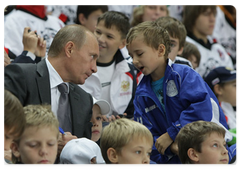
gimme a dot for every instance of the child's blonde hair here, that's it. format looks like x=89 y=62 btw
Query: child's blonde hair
x=153 y=35
x=119 y=133
x=39 y=116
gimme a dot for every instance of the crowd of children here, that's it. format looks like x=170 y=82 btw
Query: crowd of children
x=148 y=84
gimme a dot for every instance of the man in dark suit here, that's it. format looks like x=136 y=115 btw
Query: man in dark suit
x=71 y=59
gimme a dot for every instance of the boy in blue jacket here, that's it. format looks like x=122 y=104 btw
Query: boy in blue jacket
x=170 y=95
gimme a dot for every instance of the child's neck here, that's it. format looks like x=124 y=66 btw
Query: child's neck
x=198 y=35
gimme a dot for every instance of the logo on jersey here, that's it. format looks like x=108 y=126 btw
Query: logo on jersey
x=125 y=85
x=171 y=88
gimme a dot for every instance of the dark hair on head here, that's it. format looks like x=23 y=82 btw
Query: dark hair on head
x=175 y=28
x=117 y=19
x=191 y=13
x=189 y=50
x=14 y=118
x=86 y=10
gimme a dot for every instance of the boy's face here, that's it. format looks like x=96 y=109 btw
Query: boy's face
x=204 y=24
x=97 y=123
x=109 y=40
x=174 y=49
x=37 y=145
x=213 y=150
x=137 y=151
x=91 y=21
x=145 y=58
x=228 y=93
x=153 y=12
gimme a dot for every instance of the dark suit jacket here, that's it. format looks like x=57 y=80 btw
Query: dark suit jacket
x=30 y=83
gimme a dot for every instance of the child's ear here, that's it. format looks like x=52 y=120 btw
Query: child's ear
x=180 y=51
x=193 y=155
x=123 y=44
x=15 y=150
x=112 y=155
x=81 y=18
x=217 y=89
x=161 y=50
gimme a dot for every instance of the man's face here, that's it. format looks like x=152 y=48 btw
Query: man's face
x=82 y=62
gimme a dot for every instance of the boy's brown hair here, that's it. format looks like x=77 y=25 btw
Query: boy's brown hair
x=119 y=133
x=153 y=35
x=192 y=135
x=14 y=118
x=191 y=49
x=175 y=28
x=191 y=13
x=117 y=19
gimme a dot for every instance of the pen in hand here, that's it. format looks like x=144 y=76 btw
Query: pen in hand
x=61 y=130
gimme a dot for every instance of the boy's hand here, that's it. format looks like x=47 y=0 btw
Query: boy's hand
x=63 y=139
x=174 y=148
x=163 y=142
x=6 y=59
x=41 y=47
x=30 y=40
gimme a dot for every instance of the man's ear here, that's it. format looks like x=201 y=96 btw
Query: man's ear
x=123 y=43
x=81 y=18
x=193 y=155
x=112 y=155
x=15 y=149
x=69 y=48
x=161 y=50
x=180 y=51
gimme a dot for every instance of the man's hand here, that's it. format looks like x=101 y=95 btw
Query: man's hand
x=6 y=59
x=163 y=142
x=63 y=139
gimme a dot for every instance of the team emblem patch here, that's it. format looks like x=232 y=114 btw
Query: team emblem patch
x=125 y=85
x=171 y=88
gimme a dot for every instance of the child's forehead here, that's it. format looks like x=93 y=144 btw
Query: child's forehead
x=112 y=28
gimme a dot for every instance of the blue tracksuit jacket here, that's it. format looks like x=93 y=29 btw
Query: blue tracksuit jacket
x=187 y=98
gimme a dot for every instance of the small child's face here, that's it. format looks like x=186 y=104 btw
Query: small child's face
x=97 y=123
x=204 y=24
x=145 y=58
x=213 y=150
x=174 y=49
x=228 y=93
x=137 y=151
x=153 y=12
x=109 y=40
x=9 y=136
x=91 y=21
x=193 y=59
x=38 y=145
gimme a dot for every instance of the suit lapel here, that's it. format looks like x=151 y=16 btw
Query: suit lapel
x=43 y=82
